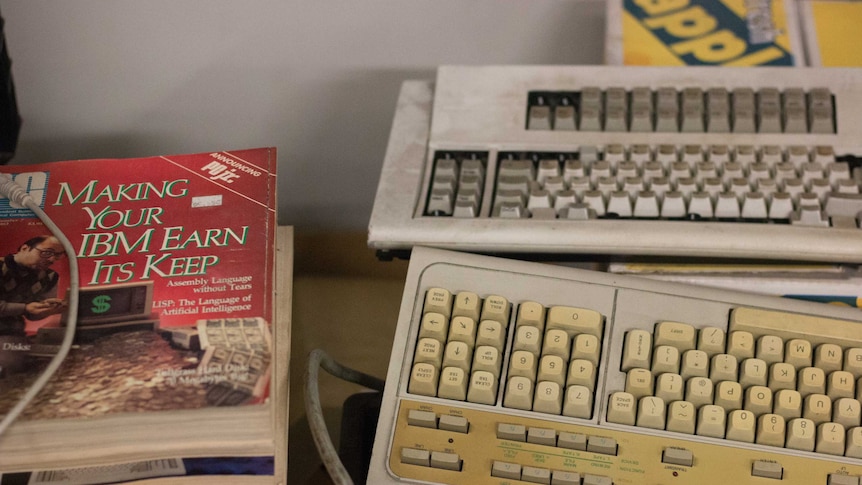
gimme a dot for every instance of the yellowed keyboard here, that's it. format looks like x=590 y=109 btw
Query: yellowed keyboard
x=625 y=160
x=508 y=372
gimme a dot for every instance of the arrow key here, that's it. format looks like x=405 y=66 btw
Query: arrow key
x=458 y=354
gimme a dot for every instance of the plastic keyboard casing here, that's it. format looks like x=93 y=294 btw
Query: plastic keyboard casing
x=626 y=303
x=485 y=109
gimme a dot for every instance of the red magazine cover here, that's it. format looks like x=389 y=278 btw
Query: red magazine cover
x=176 y=257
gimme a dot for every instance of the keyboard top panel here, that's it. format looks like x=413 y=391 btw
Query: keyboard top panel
x=484 y=112
x=488 y=106
x=491 y=427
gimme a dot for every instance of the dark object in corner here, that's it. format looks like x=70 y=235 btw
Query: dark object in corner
x=10 y=121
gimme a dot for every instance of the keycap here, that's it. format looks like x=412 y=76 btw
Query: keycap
x=519 y=393
x=770 y=349
x=699 y=391
x=770 y=430
x=679 y=335
x=681 y=417
x=854 y=443
x=542 y=436
x=741 y=426
x=753 y=372
x=458 y=354
x=556 y=342
x=438 y=300
x=817 y=408
x=669 y=387
x=758 y=399
x=539 y=118
x=711 y=340
x=767 y=469
x=536 y=475
x=467 y=304
x=801 y=434
x=603 y=445
x=830 y=439
x=568 y=478
x=575 y=320
x=552 y=368
x=590 y=479
x=578 y=402
x=490 y=333
x=781 y=376
x=724 y=367
x=637 y=349
x=548 y=398
x=508 y=470
x=581 y=373
x=787 y=403
x=847 y=412
x=586 y=347
x=853 y=361
x=458 y=424
x=532 y=314
x=523 y=363
x=651 y=412
x=487 y=358
x=740 y=344
x=711 y=421
x=423 y=380
x=496 y=308
x=798 y=353
x=639 y=383
x=425 y=419
x=678 y=456
x=453 y=384
x=572 y=441
x=729 y=395
x=445 y=461
x=429 y=350
x=463 y=329
x=622 y=408
x=413 y=456
x=665 y=359
x=512 y=432
x=483 y=388
x=694 y=363
x=564 y=118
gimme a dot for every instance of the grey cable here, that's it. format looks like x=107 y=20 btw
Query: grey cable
x=19 y=195
x=317 y=359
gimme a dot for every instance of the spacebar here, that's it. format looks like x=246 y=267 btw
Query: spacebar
x=817 y=330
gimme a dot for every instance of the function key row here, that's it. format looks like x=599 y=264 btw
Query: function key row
x=691 y=110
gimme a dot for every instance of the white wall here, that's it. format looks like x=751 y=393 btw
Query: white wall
x=317 y=79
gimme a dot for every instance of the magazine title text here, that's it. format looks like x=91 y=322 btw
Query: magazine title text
x=112 y=231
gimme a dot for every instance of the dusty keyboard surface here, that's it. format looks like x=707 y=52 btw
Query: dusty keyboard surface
x=626 y=161
x=507 y=372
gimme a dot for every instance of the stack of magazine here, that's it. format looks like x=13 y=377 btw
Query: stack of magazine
x=178 y=371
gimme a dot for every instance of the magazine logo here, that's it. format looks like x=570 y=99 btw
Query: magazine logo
x=36 y=184
x=706 y=32
x=227 y=169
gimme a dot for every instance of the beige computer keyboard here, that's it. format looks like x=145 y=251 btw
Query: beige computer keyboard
x=626 y=160
x=508 y=372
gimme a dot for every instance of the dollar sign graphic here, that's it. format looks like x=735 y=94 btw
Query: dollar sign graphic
x=101 y=304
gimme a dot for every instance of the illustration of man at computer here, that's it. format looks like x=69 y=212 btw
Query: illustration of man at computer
x=28 y=285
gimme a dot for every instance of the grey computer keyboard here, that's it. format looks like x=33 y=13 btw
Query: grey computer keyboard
x=508 y=372
x=571 y=160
